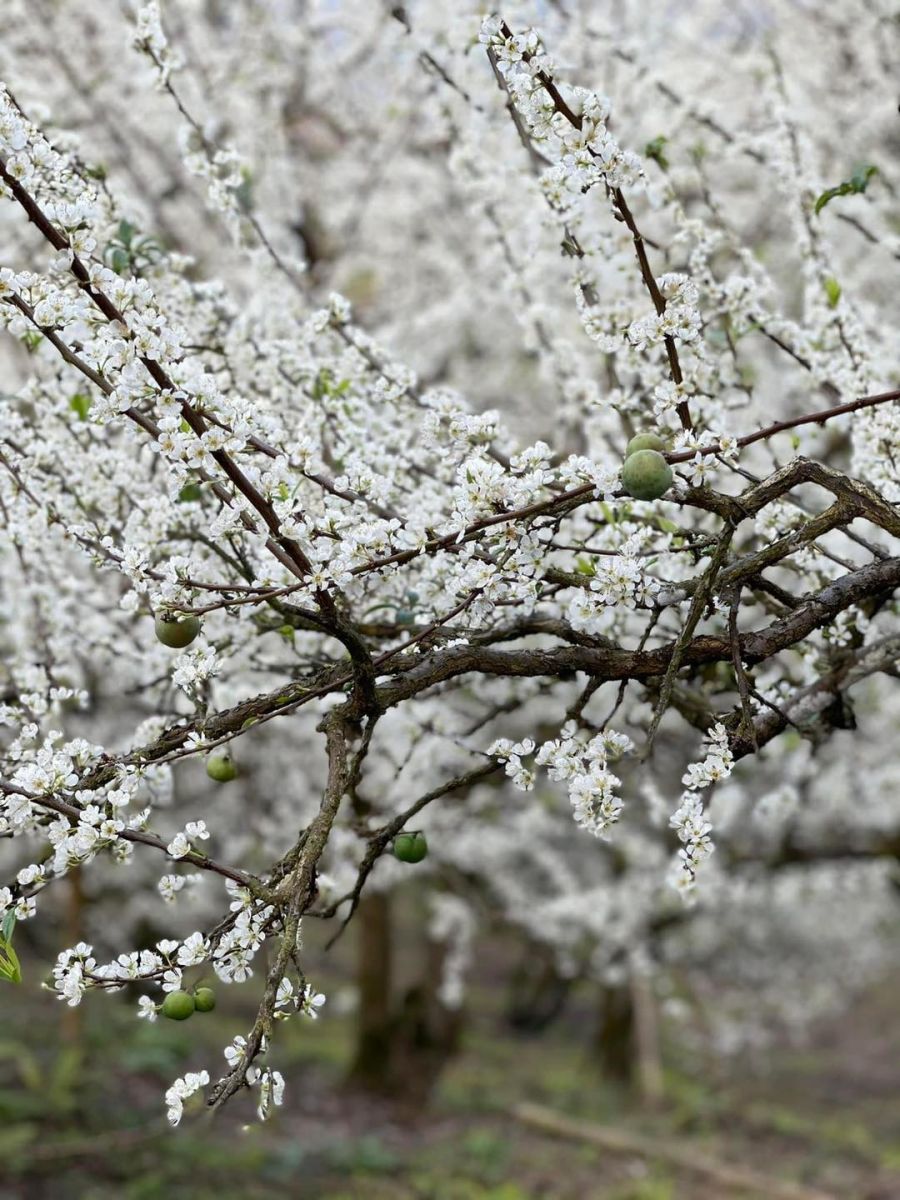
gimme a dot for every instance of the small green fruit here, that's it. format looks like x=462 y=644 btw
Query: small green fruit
x=177 y=632
x=221 y=768
x=204 y=999
x=178 y=1006
x=646 y=475
x=410 y=847
x=645 y=441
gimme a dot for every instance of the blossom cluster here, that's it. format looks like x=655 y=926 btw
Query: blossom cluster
x=689 y=820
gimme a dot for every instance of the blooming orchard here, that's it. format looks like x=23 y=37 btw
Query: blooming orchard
x=235 y=516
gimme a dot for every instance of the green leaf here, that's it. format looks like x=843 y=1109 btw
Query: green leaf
x=81 y=404
x=322 y=384
x=9 y=924
x=832 y=291
x=243 y=193
x=584 y=566
x=119 y=260
x=666 y=525
x=189 y=492
x=287 y=632
x=10 y=970
x=855 y=185
x=656 y=150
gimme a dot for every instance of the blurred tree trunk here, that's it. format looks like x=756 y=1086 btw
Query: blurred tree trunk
x=614 y=1034
x=426 y=1035
x=371 y=1064
x=626 y=1038
x=648 y=1053
x=538 y=993
x=401 y=1049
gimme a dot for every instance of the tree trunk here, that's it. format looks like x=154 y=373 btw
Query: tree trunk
x=426 y=1035
x=371 y=1069
x=646 y=1039
x=614 y=1034
x=400 y=1050
x=538 y=994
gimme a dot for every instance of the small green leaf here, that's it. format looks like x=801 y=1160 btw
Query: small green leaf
x=287 y=632
x=9 y=924
x=855 y=185
x=666 y=525
x=81 y=404
x=189 y=492
x=9 y=963
x=322 y=384
x=243 y=193
x=832 y=291
x=584 y=566
x=656 y=150
x=119 y=260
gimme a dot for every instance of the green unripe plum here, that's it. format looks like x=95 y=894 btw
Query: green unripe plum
x=410 y=847
x=645 y=441
x=204 y=999
x=221 y=768
x=178 y=1006
x=646 y=475
x=177 y=632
